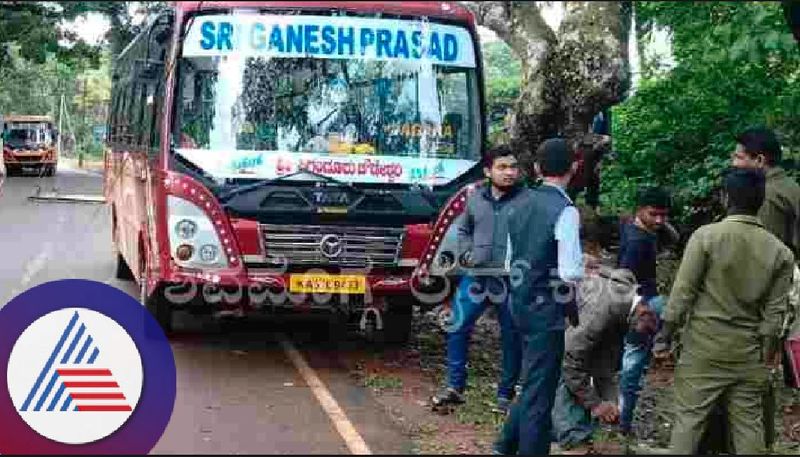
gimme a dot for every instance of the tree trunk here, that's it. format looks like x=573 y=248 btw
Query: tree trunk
x=568 y=76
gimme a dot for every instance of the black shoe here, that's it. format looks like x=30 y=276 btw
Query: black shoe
x=447 y=396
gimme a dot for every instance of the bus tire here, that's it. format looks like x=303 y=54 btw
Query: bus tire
x=123 y=270
x=397 y=321
x=337 y=326
x=160 y=308
x=156 y=303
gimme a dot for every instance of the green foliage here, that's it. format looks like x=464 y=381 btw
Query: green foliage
x=41 y=61
x=33 y=28
x=502 y=82
x=737 y=65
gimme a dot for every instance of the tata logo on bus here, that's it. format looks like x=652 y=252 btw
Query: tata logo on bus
x=330 y=37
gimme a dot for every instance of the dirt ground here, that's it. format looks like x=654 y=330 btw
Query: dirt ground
x=404 y=378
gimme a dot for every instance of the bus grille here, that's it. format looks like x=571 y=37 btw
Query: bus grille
x=332 y=245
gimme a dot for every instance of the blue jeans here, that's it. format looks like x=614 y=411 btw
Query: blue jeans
x=635 y=361
x=470 y=303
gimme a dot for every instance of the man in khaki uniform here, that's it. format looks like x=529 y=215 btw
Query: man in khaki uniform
x=758 y=148
x=728 y=300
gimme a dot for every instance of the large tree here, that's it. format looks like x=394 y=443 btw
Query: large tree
x=736 y=65
x=569 y=74
x=34 y=29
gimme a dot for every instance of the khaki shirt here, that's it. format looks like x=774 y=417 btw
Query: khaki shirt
x=731 y=291
x=780 y=212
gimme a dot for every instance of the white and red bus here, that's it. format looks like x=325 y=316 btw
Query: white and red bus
x=293 y=155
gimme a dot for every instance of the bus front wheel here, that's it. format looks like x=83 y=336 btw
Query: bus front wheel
x=157 y=304
x=397 y=321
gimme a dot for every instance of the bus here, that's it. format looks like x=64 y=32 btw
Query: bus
x=294 y=156
x=29 y=141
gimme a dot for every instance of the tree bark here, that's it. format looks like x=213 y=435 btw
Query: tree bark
x=569 y=75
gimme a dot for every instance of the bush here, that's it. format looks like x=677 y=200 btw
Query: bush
x=737 y=65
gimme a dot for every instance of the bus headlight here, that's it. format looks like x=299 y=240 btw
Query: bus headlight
x=184 y=252
x=186 y=229
x=194 y=242
x=208 y=253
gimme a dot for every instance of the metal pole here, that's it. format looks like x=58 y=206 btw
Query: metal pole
x=83 y=121
x=60 y=118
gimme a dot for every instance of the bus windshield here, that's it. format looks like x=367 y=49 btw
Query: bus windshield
x=20 y=135
x=364 y=115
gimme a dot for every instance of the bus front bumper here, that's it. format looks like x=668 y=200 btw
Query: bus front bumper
x=257 y=290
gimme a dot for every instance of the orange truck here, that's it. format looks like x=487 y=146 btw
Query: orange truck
x=29 y=142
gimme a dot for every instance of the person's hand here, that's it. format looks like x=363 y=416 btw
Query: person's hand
x=647 y=323
x=607 y=412
x=663 y=356
x=773 y=359
x=646 y=319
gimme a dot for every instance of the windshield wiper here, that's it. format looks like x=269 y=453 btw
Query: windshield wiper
x=258 y=185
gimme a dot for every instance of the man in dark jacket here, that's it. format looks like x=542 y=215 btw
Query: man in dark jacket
x=483 y=245
x=589 y=390
x=637 y=253
x=546 y=264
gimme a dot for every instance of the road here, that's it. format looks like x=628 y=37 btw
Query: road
x=239 y=390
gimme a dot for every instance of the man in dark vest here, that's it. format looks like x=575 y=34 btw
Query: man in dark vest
x=546 y=265
x=482 y=243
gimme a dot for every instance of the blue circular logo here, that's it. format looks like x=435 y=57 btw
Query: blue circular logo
x=87 y=370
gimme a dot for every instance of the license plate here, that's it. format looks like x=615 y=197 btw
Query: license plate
x=327 y=284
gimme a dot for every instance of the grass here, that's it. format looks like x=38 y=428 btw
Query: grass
x=380 y=382
x=481 y=396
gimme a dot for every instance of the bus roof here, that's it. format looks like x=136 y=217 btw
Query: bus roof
x=25 y=118
x=448 y=10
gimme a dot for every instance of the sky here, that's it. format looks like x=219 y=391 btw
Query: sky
x=91 y=27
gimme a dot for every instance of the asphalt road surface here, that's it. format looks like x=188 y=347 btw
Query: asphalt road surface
x=261 y=386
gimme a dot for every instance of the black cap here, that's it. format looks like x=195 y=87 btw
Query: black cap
x=555 y=157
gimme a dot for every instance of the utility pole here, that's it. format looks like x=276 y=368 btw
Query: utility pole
x=60 y=118
x=83 y=121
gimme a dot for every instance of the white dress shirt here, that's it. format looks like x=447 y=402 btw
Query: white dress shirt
x=567 y=234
